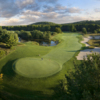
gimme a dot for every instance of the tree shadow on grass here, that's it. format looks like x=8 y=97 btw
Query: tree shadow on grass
x=58 y=91
x=7 y=69
x=14 y=93
x=73 y=51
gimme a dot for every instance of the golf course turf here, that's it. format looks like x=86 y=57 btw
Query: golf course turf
x=60 y=55
x=36 y=67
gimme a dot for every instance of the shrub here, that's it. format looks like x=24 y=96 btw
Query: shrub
x=2 y=53
x=97 y=44
x=95 y=31
x=84 y=30
x=35 y=43
x=80 y=37
x=85 y=35
x=54 y=33
x=91 y=47
x=58 y=30
x=90 y=42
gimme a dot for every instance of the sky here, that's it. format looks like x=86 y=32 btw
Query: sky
x=24 y=12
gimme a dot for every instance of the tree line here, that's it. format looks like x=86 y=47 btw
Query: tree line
x=36 y=34
x=94 y=28
x=11 y=37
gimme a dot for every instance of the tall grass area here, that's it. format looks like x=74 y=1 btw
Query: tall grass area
x=95 y=43
x=64 y=53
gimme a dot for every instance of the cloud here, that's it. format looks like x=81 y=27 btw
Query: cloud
x=49 y=15
x=73 y=10
x=10 y=21
x=33 y=16
x=61 y=9
x=24 y=3
x=21 y=12
x=48 y=1
x=52 y=9
x=8 y=9
x=97 y=10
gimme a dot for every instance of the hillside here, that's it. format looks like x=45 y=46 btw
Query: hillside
x=85 y=22
x=43 y=23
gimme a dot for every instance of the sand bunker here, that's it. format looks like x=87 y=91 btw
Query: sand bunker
x=84 y=53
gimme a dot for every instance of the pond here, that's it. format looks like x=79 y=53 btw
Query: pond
x=43 y=43
x=50 y=43
x=97 y=37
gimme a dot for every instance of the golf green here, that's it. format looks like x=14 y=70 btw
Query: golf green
x=36 y=67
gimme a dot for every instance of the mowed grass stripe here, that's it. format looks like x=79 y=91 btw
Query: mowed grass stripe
x=66 y=49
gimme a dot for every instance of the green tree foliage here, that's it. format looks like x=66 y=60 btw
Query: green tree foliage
x=25 y=35
x=3 y=35
x=84 y=30
x=98 y=30
x=84 y=83
x=95 y=31
x=48 y=35
x=12 y=40
x=1 y=86
x=72 y=28
x=46 y=26
x=9 y=38
x=36 y=34
x=58 y=30
x=54 y=33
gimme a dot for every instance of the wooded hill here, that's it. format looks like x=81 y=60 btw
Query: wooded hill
x=91 y=26
x=43 y=23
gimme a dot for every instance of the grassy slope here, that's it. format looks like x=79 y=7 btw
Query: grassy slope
x=24 y=86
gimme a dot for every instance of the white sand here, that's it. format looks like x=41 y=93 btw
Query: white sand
x=83 y=53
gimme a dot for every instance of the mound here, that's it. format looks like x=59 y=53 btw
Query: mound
x=36 y=67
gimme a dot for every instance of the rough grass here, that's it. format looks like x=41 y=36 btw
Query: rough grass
x=25 y=87
x=95 y=43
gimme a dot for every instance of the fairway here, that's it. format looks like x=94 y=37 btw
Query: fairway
x=65 y=50
x=52 y=62
x=36 y=67
x=39 y=75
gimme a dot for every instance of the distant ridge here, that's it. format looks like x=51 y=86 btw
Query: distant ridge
x=43 y=23
x=80 y=22
x=85 y=22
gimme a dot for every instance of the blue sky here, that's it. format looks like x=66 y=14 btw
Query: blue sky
x=24 y=12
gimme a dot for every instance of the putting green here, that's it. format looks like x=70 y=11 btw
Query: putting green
x=36 y=67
